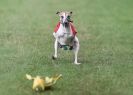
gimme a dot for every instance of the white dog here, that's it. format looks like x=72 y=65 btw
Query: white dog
x=65 y=35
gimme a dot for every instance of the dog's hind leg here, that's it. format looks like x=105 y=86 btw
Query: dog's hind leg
x=76 y=49
x=56 y=48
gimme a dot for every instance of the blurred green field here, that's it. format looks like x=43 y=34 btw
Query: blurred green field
x=105 y=31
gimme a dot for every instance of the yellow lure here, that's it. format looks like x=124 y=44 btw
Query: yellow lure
x=40 y=83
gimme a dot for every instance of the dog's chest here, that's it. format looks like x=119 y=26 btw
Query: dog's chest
x=64 y=32
x=64 y=35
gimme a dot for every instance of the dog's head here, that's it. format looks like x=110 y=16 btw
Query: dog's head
x=65 y=17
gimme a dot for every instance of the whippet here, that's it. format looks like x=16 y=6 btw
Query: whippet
x=65 y=35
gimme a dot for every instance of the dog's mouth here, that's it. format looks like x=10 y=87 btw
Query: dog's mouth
x=66 y=24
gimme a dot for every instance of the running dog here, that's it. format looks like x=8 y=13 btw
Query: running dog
x=65 y=35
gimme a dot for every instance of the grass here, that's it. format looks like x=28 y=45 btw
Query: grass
x=105 y=34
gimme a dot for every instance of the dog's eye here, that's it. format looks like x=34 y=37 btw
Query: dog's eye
x=62 y=17
x=68 y=17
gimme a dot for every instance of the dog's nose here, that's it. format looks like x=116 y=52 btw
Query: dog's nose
x=65 y=22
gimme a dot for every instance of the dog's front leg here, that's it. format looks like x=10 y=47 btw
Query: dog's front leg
x=76 y=49
x=56 y=48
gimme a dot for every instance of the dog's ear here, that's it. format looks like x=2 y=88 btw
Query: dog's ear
x=57 y=12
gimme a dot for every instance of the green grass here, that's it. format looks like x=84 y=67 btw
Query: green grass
x=105 y=31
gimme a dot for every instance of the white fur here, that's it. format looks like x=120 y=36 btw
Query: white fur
x=62 y=36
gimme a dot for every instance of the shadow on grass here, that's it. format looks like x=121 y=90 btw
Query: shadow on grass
x=47 y=90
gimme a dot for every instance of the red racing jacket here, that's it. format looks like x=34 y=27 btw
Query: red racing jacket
x=73 y=30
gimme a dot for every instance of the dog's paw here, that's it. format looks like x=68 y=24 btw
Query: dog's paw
x=54 y=58
x=71 y=48
x=77 y=63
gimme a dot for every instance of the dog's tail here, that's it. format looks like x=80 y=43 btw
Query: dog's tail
x=29 y=77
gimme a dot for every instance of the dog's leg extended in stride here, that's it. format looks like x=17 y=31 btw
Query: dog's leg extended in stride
x=56 y=48
x=65 y=35
x=76 y=49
